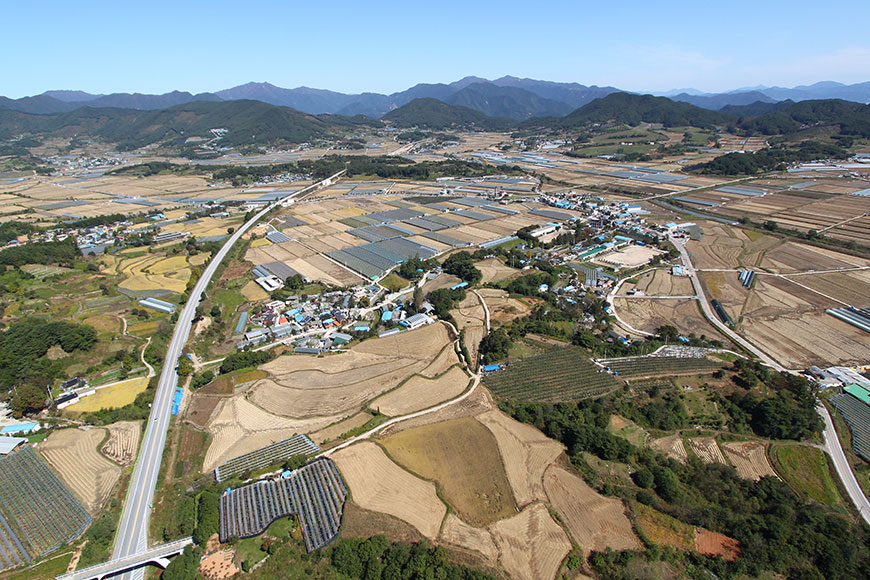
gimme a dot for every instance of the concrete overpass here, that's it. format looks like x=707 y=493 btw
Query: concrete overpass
x=159 y=556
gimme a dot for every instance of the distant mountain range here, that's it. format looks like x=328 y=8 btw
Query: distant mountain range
x=508 y=97
x=253 y=122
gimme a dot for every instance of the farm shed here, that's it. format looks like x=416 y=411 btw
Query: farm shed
x=416 y=321
x=8 y=444
x=20 y=428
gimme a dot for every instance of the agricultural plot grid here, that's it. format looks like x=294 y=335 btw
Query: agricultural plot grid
x=38 y=513
x=648 y=366
x=559 y=375
x=315 y=493
x=297 y=445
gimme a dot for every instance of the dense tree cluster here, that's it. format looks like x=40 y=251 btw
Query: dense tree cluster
x=98 y=220
x=65 y=252
x=495 y=345
x=23 y=364
x=776 y=529
x=377 y=559
x=461 y=264
x=773 y=159
x=12 y=229
x=240 y=360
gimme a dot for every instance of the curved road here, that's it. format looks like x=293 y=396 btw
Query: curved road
x=832 y=442
x=132 y=535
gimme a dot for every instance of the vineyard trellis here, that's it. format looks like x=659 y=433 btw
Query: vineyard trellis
x=297 y=445
x=559 y=375
x=648 y=366
x=315 y=493
x=38 y=513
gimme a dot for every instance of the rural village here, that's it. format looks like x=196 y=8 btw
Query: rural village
x=501 y=353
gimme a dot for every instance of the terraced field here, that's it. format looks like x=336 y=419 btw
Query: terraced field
x=559 y=375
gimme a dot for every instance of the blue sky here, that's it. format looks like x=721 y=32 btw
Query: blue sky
x=154 y=47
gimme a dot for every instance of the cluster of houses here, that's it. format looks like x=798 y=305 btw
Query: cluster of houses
x=314 y=318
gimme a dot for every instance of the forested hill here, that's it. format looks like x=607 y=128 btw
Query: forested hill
x=851 y=118
x=434 y=114
x=247 y=122
x=631 y=109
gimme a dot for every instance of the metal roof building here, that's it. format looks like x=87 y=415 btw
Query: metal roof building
x=8 y=444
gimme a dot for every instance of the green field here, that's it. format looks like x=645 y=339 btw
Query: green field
x=559 y=375
x=805 y=469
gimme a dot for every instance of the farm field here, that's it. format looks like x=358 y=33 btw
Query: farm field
x=303 y=386
x=664 y=530
x=339 y=428
x=495 y=270
x=526 y=453
x=471 y=318
x=629 y=430
x=378 y=484
x=649 y=315
x=560 y=374
x=750 y=459
x=672 y=446
x=724 y=246
x=457 y=532
x=659 y=282
x=118 y=395
x=123 y=442
x=238 y=426
x=806 y=470
x=420 y=392
x=531 y=543
x=502 y=308
x=73 y=453
x=657 y=366
x=707 y=450
x=472 y=479
x=594 y=521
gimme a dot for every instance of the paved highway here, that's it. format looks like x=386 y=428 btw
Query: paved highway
x=132 y=535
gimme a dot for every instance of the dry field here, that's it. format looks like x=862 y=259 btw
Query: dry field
x=219 y=566
x=850 y=287
x=707 y=450
x=340 y=428
x=123 y=442
x=812 y=338
x=239 y=427
x=526 y=453
x=495 y=270
x=200 y=409
x=304 y=386
x=442 y=281
x=630 y=257
x=713 y=544
x=473 y=405
x=792 y=257
x=531 y=544
x=459 y=533
x=118 y=395
x=595 y=522
x=421 y=393
x=73 y=454
x=471 y=477
x=648 y=315
x=724 y=246
x=750 y=459
x=471 y=318
x=502 y=308
x=253 y=292
x=378 y=484
x=672 y=446
x=662 y=529
x=660 y=283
